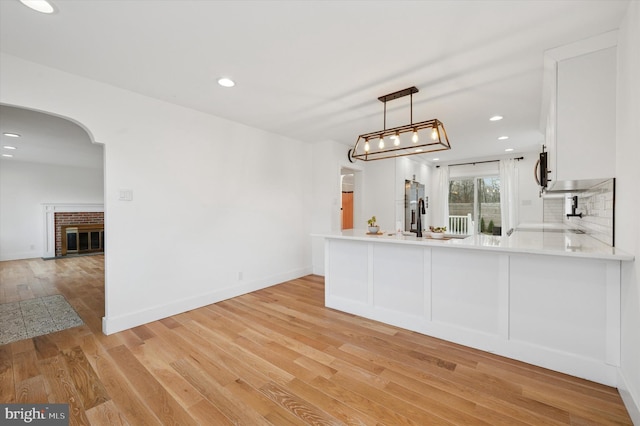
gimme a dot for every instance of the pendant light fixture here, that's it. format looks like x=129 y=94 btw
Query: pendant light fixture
x=423 y=137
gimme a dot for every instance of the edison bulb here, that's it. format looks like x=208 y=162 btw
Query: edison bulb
x=366 y=146
x=434 y=133
x=414 y=138
x=381 y=144
x=396 y=141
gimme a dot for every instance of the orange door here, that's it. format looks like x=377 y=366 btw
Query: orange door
x=347 y=210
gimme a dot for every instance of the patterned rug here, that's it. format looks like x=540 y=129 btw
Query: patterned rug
x=35 y=317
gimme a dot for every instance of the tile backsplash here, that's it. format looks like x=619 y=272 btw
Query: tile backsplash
x=553 y=210
x=597 y=208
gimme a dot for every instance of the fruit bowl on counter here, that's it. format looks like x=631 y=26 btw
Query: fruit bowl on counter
x=437 y=232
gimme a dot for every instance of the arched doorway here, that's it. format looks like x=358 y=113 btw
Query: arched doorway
x=50 y=166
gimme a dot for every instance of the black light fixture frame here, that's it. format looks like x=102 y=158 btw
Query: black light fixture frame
x=431 y=145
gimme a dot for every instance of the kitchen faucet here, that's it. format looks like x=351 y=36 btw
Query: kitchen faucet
x=574 y=206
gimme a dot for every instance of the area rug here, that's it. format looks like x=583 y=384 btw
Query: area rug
x=35 y=317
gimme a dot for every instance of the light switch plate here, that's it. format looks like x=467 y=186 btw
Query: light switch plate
x=125 y=195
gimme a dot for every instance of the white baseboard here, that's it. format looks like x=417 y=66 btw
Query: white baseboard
x=632 y=404
x=20 y=256
x=112 y=325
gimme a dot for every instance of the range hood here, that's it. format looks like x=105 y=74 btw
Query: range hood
x=563 y=186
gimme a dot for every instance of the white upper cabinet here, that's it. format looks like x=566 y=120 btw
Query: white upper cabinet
x=580 y=115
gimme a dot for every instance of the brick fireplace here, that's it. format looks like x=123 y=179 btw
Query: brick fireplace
x=59 y=215
x=64 y=220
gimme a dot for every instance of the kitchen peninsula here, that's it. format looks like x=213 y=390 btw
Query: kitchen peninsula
x=549 y=299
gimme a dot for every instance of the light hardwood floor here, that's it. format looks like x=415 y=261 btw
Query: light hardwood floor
x=276 y=356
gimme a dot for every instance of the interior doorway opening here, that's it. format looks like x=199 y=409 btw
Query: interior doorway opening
x=350 y=198
x=56 y=160
x=346 y=200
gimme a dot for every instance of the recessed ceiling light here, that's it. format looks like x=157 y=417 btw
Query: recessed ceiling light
x=435 y=159
x=9 y=147
x=508 y=149
x=496 y=118
x=12 y=135
x=226 y=82
x=503 y=138
x=419 y=150
x=42 y=6
x=7 y=155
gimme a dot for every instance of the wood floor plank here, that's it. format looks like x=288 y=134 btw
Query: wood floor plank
x=45 y=347
x=345 y=413
x=365 y=403
x=420 y=415
x=307 y=334
x=236 y=356
x=123 y=394
x=156 y=397
x=25 y=345
x=205 y=413
x=85 y=379
x=7 y=383
x=452 y=410
x=143 y=332
x=25 y=366
x=153 y=355
x=235 y=410
x=297 y=406
x=32 y=391
x=62 y=388
x=262 y=404
x=106 y=413
x=275 y=356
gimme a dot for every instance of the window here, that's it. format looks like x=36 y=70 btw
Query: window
x=477 y=198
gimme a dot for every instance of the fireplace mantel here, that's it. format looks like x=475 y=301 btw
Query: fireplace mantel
x=49 y=210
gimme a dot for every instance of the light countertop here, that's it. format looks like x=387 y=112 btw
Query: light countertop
x=520 y=241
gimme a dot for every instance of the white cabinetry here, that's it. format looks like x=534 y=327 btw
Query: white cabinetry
x=586 y=116
x=581 y=109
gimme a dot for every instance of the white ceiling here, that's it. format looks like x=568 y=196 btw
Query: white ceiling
x=313 y=70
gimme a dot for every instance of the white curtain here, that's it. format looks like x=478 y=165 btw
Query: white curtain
x=508 y=199
x=441 y=216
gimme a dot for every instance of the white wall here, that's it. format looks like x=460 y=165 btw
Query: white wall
x=379 y=194
x=529 y=202
x=24 y=187
x=628 y=203
x=218 y=208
